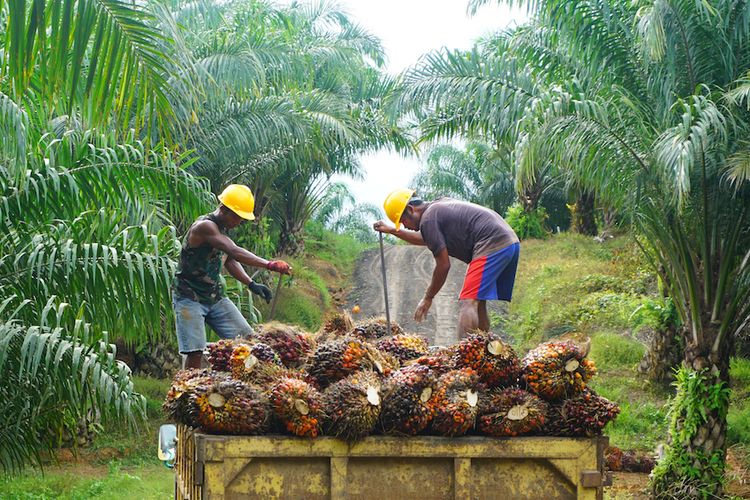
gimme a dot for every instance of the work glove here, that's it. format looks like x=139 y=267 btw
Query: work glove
x=261 y=290
x=279 y=266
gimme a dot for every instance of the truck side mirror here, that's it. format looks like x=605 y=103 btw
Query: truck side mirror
x=167 y=444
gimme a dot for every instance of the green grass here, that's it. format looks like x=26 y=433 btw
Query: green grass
x=120 y=462
x=74 y=482
x=738 y=419
x=328 y=265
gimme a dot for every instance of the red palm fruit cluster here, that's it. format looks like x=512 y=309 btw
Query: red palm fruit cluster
x=439 y=359
x=339 y=358
x=335 y=325
x=376 y=328
x=291 y=344
x=219 y=353
x=511 y=412
x=494 y=360
x=185 y=382
x=557 y=370
x=264 y=352
x=406 y=396
x=230 y=407
x=404 y=347
x=352 y=406
x=298 y=406
x=455 y=404
x=247 y=367
x=584 y=415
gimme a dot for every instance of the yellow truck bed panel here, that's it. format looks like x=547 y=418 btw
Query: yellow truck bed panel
x=383 y=467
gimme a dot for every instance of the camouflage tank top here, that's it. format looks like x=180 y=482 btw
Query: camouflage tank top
x=198 y=271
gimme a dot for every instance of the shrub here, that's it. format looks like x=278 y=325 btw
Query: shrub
x=527 y=224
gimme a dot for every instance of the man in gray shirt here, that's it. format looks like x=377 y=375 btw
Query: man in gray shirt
x=465 y=231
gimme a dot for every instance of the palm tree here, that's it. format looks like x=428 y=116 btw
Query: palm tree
x=279 y=98
x=660 y=133
x=88 y=195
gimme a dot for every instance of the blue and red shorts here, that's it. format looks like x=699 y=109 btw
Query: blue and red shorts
x=491 y=277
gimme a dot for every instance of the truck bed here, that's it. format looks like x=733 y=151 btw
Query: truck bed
x=384 y=467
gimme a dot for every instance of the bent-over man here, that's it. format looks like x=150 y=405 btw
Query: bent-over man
x=465 y=231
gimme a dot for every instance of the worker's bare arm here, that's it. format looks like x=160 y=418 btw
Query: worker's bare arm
x=412 y=237
x=208 y=232
x=439 y=274
x=237 y=271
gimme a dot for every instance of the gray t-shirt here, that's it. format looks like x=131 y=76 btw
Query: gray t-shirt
x=467 y=230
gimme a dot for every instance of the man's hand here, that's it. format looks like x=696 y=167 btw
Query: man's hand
x=422 y=308
x=261 y=290
x=279 y=266
x=382 y=227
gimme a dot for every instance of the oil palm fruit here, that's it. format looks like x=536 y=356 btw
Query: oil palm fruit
x=557 y=370
x=249 y=368
x=455 y=404
x=230 y=407
x=298 y=406
x=353 y=406
x=337 y=359
x=406 y=396
x=439 y=359
x=337 y=324
x=584 y=415
x=493 y=359
x=404 y=347
x=177 y=403
x=511 y=412
x=376 y=328
x=290 y=343
x=264 y=352
x=219 y=353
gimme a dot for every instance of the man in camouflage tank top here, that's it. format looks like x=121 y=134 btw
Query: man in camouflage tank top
x=198 y=296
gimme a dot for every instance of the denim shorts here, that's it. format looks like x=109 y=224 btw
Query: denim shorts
x=191 y=318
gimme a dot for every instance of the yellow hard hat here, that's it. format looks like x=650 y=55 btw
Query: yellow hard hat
x=395 y=204
x=239 y=199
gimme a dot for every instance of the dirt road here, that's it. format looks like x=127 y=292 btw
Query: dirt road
x=409 y=270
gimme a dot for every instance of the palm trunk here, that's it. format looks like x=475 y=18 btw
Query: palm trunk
x=663 y=355
x=694 y=464
x=584 y=217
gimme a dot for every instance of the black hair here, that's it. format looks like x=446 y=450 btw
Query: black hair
x=415 y=201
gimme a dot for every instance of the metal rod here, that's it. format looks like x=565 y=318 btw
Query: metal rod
x=276 y=296
x=385 y=285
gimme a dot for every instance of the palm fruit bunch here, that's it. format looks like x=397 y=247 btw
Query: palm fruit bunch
x=337 y=359
x=511 y=412
x=584 y=415
x=220 y=353
x=335 y=325
x=298 y=406
x=455 y=404
x=247 y=367
x=439 y=359
x=230 y=407
x=177 y=403
x=493 y=359
x=557 y=370
x=376 y=328
x=406 y=396
x=264 y=352
x=404 y=347
x=353 y=406
x=291 y=344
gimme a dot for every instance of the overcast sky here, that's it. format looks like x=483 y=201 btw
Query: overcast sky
x=409 y=29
